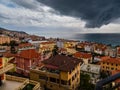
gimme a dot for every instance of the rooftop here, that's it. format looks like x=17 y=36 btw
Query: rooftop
x=82 y=55
x=90 y=68
x=10 y=85
x=30 y=53
x=48 y=42
x=25 y=45
x=110 y=60
x=61 y=62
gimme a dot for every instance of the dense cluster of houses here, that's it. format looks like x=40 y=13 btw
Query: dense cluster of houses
x=34 y=58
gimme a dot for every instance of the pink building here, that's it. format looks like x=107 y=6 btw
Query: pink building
x=25 y=60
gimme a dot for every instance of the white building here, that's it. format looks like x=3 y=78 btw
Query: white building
x=92 y=70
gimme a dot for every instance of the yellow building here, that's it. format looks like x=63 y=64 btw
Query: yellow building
x=58 y=73
x=110 y=64
x=9 y=58
x=4 y=39
x=70 y=44
x=46 y=46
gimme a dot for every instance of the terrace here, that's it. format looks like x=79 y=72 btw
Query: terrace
x=19 y=83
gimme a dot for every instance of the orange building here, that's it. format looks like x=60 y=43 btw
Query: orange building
x=4 y=39
x=86 y=57
x=2 y=76
x=25 y=60
x=110 y=64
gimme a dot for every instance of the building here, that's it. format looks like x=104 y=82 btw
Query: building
x=4 y=39
x=25 y=46
x=109 y=64
x=92 y=70
x=46 y=46
x=118 y=51
x=2 y=76
x=70 y=43
x=25 y=60
x=117 y=81
x=70 y=50
x=58 y=73
x=110 y=52
x=99 y=48
x=86 y=57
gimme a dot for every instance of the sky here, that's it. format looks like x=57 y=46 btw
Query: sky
x=60 y=18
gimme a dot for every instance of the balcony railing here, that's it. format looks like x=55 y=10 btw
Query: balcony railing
x=6 y=68
x=24 y=82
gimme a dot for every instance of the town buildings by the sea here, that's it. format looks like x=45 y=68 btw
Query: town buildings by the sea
x=39 y=63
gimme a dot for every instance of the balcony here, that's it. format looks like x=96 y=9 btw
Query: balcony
x=48 y=72
x=22 y=82
x=6 y=68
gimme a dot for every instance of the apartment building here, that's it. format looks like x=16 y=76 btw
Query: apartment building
x=109 y=64
x=58 y=73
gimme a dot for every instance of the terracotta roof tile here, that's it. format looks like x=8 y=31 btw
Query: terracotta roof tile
x=63 y=63
x=82 y=55
x=8 y=54
x=25 y=45
x=31 y=53
x=48 y=42
x=110 y=60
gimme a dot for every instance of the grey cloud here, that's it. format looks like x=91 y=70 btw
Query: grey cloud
x=26 y=3
x=95 y=12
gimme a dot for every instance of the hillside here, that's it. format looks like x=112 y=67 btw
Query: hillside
x=12 y=33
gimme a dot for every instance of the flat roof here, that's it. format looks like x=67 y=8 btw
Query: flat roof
x=10 y=85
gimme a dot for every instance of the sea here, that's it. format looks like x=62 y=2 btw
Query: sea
x=106 y=38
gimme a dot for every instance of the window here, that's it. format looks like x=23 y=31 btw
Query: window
x=58 y=80
x=72 y=78
x=69 y=82
x=52 y=79
x=112 y=68
x=63 y=82
x=43 y=77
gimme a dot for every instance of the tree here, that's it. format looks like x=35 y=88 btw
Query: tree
x=103 y=75
x=85 y=82
x=0 y=81
x=12 y=46
x=55 y=50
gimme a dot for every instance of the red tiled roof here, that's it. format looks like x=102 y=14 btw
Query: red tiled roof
x=62 y=49
x=82 y=55
x=8 y=54
x=47 y=42
x=0 y=61
x=31 y=53
x=51 y=66
x=110 y=60
x=63 y=63
x=24 y=45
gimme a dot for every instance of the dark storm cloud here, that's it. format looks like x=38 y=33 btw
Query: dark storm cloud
x=95 y=12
